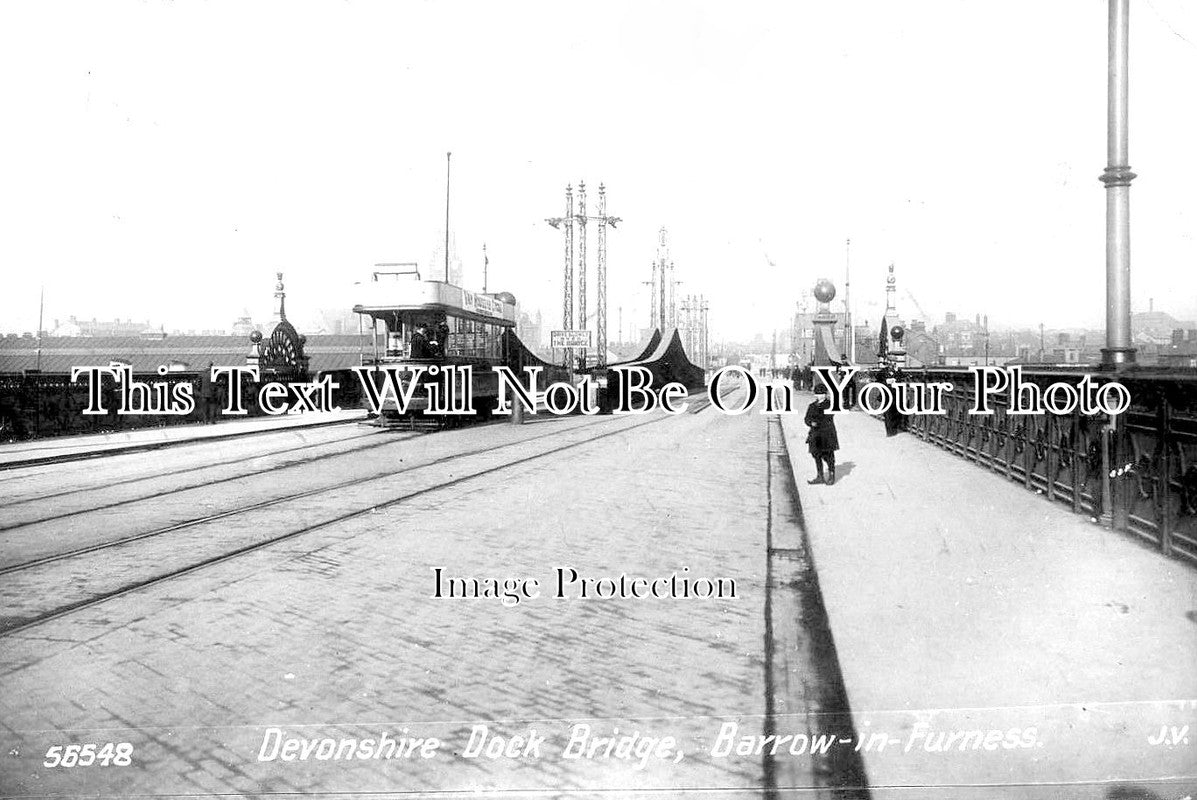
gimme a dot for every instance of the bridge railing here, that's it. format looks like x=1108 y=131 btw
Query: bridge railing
x=1137 y=473
x=34 y=405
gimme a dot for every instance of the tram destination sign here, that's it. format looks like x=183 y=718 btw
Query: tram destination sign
x=575 y=339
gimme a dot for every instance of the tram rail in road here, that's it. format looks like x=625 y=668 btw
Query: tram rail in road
x=230 y=542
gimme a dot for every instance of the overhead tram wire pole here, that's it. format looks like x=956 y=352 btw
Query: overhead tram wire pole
x=567 y=305
x=1119 y=352
x=582 y=219
x=601 y=322
x=579 y=220
x=448 y=166
x=1117 y=178
x=849 y=333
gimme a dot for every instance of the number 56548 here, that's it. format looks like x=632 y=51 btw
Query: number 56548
x=84 y=755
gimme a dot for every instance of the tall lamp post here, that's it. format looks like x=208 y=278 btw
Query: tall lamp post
x=1117 y=178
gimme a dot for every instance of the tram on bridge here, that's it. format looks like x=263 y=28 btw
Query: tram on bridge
x=429 y=323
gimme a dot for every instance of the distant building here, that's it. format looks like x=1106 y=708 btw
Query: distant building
x=146 y=354
x=1181 y=351
x=94 y=327
x=1158 y=326
x=244 y=326
x=959 y=337
x=530 y=331
x=922 y=349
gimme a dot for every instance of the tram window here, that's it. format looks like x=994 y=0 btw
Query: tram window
x=490 y=347
x=456 y=345
x=472 y=339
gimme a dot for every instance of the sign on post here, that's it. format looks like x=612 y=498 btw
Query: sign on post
x=571 y=339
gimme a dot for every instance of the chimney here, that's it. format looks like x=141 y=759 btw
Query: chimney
x=1192 y=336
x=1178 y=335
x=1150 y=304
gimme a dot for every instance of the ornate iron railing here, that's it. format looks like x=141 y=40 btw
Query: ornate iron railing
x=35 y=405
x=1138 y=474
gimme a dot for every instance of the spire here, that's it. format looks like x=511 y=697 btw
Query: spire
x=280 y=296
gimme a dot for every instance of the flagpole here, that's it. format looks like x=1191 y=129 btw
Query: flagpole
x=850 y=334
x=485 y=264
x=448 y=165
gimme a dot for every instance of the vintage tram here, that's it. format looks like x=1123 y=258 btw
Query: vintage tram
x=424 y=323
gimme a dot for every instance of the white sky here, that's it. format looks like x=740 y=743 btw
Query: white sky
x=161 y=160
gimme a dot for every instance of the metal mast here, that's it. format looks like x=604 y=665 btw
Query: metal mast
x=1117 y=178
x=659 y=272
x=652 y=297
x=850 y=333
x=567 y=317
x=672 y=297
x=567 y=282
x=448 y=165
x=581 y=220
x=686 y=341
x=601 y=300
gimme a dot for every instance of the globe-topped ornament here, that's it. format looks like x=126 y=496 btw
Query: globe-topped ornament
x=255 y=337
x=824 y=291
x=897 y=332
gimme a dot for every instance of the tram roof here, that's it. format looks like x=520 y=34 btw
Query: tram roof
x=414 y=295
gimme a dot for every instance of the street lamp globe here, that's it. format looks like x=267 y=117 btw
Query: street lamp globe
x=824 y=291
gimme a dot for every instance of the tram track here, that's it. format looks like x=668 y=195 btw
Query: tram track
x=120 y=450
x=12 y=625
x=193 y=486
x=174 y=472
x=697 y=407
x=250 y=507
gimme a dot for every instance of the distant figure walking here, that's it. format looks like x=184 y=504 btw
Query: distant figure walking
x=895 y=420
x=822 y=440
x=208 y=395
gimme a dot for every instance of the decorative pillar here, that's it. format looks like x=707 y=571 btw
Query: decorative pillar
x=824 y=322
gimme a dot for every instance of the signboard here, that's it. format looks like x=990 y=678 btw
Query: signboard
x=480 y=303
x=575 y=339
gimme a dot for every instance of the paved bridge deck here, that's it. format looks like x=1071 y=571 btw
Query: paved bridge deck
x=332 y=633
x=959 y=600
x=988 y=642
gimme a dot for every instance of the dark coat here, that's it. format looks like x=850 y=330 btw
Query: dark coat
x=822 y=437
x=207 y=386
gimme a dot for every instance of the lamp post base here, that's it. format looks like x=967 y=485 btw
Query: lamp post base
x=1117 y=356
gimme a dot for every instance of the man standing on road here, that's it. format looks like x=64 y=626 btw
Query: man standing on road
x=822 y=440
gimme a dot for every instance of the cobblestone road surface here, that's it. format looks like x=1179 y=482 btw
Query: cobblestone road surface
x=334 y=634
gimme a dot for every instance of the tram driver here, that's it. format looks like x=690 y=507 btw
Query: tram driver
x=440 y=333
